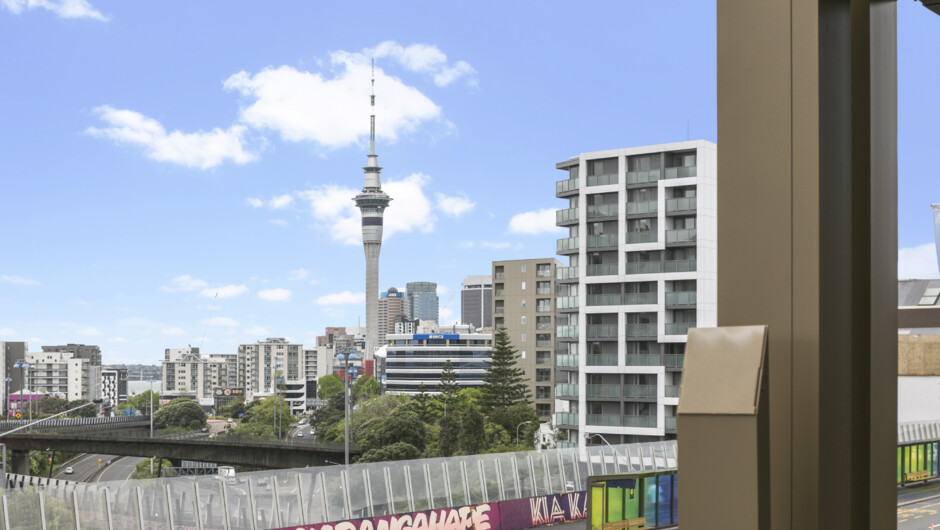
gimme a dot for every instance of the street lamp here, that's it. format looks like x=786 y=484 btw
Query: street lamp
x=276 y=367
x=588 y=436
x=150 y=406
x=276 y=410
x=517 y=430
x=24 y=382
x=6 y=396
x=351 y=356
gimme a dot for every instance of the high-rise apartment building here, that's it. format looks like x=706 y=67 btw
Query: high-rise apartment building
x=523 y=292
x=391 y=309
x=63 y=374
x=641 y=248
x=91 y=383
x=421 y=301
x=260 y=365
x=200 y=376
x=476 y=301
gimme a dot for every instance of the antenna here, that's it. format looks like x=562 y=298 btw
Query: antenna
x=372 y=117
x=688 y=129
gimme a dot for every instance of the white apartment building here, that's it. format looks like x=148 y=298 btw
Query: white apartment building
x=262 y=363
x=62 y=374
x=188 y=373
x=415 y=359
x=642 y=267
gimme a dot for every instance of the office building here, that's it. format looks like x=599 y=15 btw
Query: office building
x=412 y=359
x=327 y=338
x=261 y=364
x=113 y=387
x=91 y=353
x=642 y=266
x=523 y=291
x=421 y=301
x=476 y=301
x=391 y=308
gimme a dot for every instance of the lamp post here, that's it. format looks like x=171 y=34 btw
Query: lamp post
x=23 y=383
x=150 y=406
x=350 y=356
x=6 y=396
x=517 y=430
x=588 y=436
x=276 y=367
x=277 y=409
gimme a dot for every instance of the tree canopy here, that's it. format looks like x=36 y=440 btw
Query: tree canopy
x=504 y=384
x=180 y=413
x=328 y=386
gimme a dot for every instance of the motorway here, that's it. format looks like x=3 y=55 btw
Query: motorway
x=919 y=506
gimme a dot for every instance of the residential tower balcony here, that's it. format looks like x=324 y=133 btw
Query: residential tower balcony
x=567 y=187
x=643 y=177
x=682 y=205
x=567 y=390
x=682 y=265
x=602 y=210
x=681 y=236
x=601 y=359
x=644 y=267
x=602 y=331
x=568 y=245
x=603 y=391
x=682 y=299
x=566 y=216
x=566 y=332
x=566 y=418
x=603 y=180
x=648 y=236
x=566 y=273
x=681 y=172
x=679 y=328
x=603 y=269
x=603 y=240
x=642 y=207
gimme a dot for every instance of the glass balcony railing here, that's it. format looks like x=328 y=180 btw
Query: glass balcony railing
x=565 y=444
x=603 y=240
x=603 y=391
x=603 y=420
x=682 y=265
x=680 y=172
x=602 y=210
x=670 y=423
x=568 y=390
x=567 y=302
x=566 y=273
x=498 y=292
x=641 y=237
x=684 y=235
x=567 y=244
x=566 y=332
x=602 y=331
x=565 y=418
x=543 y=290
x=543 y=344
x=640 y=298
x=681 y=298
x=672 y=391
x=673 y=360
x=644 y=267
x=564 y=186
x=566 y=360
x=543 y=325
x=604 y=269
x=679 y=328
x=642 y=207
x=644 y=359
x=682 y=204
x=601 y=359
x=500 y=275
x=643 y=177
x=603 y=299
x=602 y=180
x=639 y=421
x=639 y=391
x=545 y=272
x=567 y=215
x=498 y=309
x=641 y=330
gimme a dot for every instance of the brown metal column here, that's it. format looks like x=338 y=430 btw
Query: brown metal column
x=807 y=231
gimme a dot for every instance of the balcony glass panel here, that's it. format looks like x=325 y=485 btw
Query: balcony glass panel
x=670 y=423
x=564 y=186
x=681 y=204
x=681 y=172
x=682 y=265
x=681 y=298
x=568 y=243
x=500 y=275
x=639 y=391
x=567 y=215
x=603 y=299
x=641 y=330
x=567 y=390
x=566 y=418
x=644 y=359
x=643 y=177
x=672 y=391
x=642 y=207
x=603 y=420
x=566 y=360
x=644 y=267
x=602 y=359
x=499 y=309
x=601 y=331
x=568 y=332
x=566 y=273
x=602 y=180
x=602 y=269
x=679 y=328
x=605 y=240
x=685 y=235
x=603 y=391
x=544 y=290
x=602 y=210
x=639 y=421
x=640 y=298
x=672 y=360
x=498 y=292
x=543 y=344
x=543 y=325
x=567 y=302
x=641 y=237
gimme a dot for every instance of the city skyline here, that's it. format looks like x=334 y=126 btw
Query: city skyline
x=156 y=197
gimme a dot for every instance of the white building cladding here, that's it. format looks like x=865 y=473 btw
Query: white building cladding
x=188 y=373
x=642 y=270
x=262 y=363
x=64 y=375
x=419 y=358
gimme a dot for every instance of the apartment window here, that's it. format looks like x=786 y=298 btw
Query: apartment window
x=543 y=288
x=543 y=375
x=543 y=304
x=522 y=286
x=543 y=392
x=543 y=357
x=543 y=270
x=499 y=322
x=543 y=322
x=929 y=297
x=643 y=163
x=522 y=269
x=543 y=409
x=498 y=273
x=522 y=354
x=522 y=320
x=522 y=302
x=522 y=337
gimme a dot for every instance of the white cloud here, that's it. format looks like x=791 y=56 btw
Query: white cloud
x=63 y=8
x=254 y=202
x=335 y=212
x=333 y=112
x=222 y=322
x=275 y=203
x=424 y=58
x=446 y=316
x=257 y=330
x=7 y=332
x=89 y=331
x=442 y=290
x=454 y=206
x=495 y=244
x=535 y=222
x=343 y=298
x=17 y=280
x=298 y=274
x=226 y=291
x=275 y=295
x=201 y=150
x=918 y=262
x=184 y=283
x=172 y=331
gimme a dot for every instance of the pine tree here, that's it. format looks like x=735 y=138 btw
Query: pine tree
x=504 y=384
x=448 y=387
x=422 y=403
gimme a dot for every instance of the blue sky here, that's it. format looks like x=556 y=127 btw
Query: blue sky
x=180 y=173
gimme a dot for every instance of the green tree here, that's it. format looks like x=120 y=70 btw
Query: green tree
x=515 y=417
x=140 y=402
x=503 y=383
x=366 y=387
x=448 y=386
x=472 y=433
x=142 y=469
x=328 y=386
x=260 y=421
x=85 y=412
x=396 y=451
x=181 y=414
x=448 y=439
x=422 y=403
x=400 y=426
x=50 y=405
x=234 y=409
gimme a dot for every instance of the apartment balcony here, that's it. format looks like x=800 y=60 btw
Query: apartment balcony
x=543 y=325
x=670 y=423
x=642 y=207
x=603 y=240
x=602 y=331
x=500 y=275
x=543 y=344
x=567 y=390
x=603 y=180
x=641 y=330
x=566 y=216
x=683 y=205
x=672 y=391
x=544 y=308
x=566 y=360
x=674 y=360
x=680 y=237
x=603 y=269
x=498 y=310
x=681 y=299
x=602 y=210
x=643 y=177
x=644 y=359
x=648 y=236
x=498 y=292
x=645 y=267
x=567 y=302
x=566 y=273
x=682 y=265
x=603 y=299
x=601 y=359
x=639 y=421
x=639 y=391
x=566 y=418
x=681 y=172
x=603 y=391
x=604 y=420
x=640 y=298
x=543 y=290
x=679 y=328
x=568 y=245
x=566 y=187
x=566 y=332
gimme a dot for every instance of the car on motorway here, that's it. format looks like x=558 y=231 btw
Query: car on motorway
x=300 y=435
x=303 y=421
x=230 y=420
x=69 y=470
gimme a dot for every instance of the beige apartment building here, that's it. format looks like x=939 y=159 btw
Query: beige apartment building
x=523 y=291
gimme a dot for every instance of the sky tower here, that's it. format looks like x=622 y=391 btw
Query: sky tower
x=372 y=202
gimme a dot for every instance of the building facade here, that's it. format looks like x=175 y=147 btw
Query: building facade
x=391 y=308
x=188 y=373
x=642 y=267
x=413 y=359
x=91 y=353
x=113 y=387
x=421 y=301
x=63 y=375
x=523 y=292
x=261 y=364
x=12 y=352
x=476 y=301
